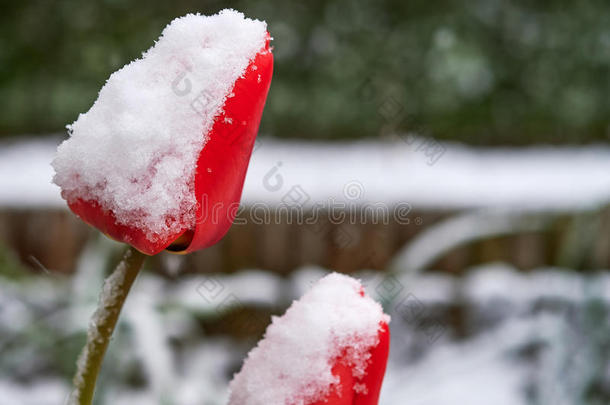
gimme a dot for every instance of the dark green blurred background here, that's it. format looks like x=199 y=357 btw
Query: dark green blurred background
x=480 y=71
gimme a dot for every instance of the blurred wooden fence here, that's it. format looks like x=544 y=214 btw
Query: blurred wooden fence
x=55 y=237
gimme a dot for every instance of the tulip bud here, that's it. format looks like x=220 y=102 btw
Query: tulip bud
x=160 y=159
x=329 y=348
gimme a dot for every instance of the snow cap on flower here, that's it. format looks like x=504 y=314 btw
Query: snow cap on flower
x=330 y=347
x=134 y=165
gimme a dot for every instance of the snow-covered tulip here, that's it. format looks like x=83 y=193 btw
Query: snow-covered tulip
x=160 y=159
x=329 y=348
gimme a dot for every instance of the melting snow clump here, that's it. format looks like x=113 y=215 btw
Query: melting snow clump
x=135 y=151
x=292 y=363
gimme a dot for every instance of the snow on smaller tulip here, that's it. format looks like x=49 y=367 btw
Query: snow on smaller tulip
x=329 y=348
x=160 y=158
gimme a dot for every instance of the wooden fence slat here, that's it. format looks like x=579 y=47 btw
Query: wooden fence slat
x=55 y=237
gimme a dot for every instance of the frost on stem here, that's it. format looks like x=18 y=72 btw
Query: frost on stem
x=113 y=295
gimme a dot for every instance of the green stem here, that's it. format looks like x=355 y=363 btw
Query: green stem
x=115 y=290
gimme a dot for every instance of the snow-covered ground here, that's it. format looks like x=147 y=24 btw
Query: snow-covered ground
x=530 y=338
x=372 y=172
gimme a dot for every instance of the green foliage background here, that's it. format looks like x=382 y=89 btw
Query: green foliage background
x=480 y=71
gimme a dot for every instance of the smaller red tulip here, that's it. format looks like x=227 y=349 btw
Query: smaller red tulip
x=159 y=161
x=329 y=348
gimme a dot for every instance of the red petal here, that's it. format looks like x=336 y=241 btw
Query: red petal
x=372 y=380
x=93 y=214
x=223 y=162
x=344 y=393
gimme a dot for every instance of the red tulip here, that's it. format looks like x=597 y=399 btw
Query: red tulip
x=363 y=391
x=329 y=348
x=220 y=173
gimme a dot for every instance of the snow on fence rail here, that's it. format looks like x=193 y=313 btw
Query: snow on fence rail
x=357 y=204
x=387 y=172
